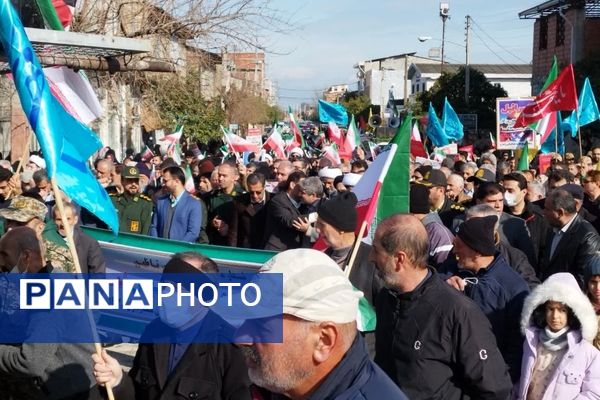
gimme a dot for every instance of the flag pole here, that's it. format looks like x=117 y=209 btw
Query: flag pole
x=579 y=134
x=25 y=152
x=73 y=251
x=350 y=264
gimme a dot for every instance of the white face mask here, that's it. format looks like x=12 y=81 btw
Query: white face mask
x=511 y=199
x=180 y=317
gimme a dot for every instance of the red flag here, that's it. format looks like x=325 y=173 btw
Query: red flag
x=561 y=95
x=416 y=145
x=469 y=150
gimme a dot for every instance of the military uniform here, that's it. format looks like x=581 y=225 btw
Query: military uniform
x=135 y=212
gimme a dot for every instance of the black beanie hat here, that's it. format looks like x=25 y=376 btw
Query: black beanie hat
x=478 y=234
x=419 y=199
x=340 y=211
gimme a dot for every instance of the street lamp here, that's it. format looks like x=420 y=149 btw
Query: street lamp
x=444 y=15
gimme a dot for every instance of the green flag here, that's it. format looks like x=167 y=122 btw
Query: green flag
x=394 y=196
x=524 y=159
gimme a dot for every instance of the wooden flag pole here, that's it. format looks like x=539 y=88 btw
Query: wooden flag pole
x=361 y=232
x=73 y=250
x=25 y=152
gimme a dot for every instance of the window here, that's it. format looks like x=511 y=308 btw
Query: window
x=413 y=89
x=560 y=30
x=543 y=33
x=423 y=86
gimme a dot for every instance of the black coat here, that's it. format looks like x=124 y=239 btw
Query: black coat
x=434 y=342
x=578 y=243
x=89 y=252
x=280 y=234
x=538 y=228
x=250 y=223
x=206 y=371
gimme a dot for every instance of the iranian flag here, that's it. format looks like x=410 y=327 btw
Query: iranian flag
x=189 y=180
x=298 y=140
x=416 y=145
x=546 y=125
x=169 y=144
x=276 y=143
x=238 y=144
x=148 y=154
x=331 y=152
x=335 y=135
x=352 y=139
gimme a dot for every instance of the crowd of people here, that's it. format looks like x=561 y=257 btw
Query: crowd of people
x=488 y=288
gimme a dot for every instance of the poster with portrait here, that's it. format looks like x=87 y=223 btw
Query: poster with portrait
x=507 y=136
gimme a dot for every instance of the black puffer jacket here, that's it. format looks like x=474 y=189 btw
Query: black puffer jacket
x=435 y=343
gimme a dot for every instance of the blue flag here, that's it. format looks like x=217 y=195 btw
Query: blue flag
x=435 y=132
x=587 y=109
x=556 y=138
x=331 y=112
x=65 y=142
x=451 y=124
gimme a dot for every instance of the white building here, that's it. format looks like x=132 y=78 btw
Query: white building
x=514 y=78
x=379 y=77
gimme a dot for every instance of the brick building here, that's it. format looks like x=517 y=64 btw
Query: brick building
x=568 y=29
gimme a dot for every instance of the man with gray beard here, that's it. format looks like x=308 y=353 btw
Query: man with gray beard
x=321 y=356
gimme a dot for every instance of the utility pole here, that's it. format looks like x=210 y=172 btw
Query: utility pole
x=467 y=72
x=444 y=14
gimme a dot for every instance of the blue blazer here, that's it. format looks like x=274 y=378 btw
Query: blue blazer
x=187 y=219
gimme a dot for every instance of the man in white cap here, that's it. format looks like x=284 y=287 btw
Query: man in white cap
x=328 y=175
x=322 y=356
x=36 y=163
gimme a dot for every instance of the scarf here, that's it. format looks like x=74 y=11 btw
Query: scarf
x=554 y=341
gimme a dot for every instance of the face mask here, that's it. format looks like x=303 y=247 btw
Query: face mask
x=180 y=317
x=511 y=199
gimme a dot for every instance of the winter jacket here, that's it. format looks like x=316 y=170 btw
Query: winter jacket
x=499 y=291
x=355 y=377
x=577 y=375
x=435 y=343
x=440 y=239
x=514 y=231
x=578 y=243
x=537 y=225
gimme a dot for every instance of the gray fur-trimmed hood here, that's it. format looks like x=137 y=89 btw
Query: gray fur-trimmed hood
x=562 y=287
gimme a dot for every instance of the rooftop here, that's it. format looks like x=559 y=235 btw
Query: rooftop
x=592 y=8
x=483 y=68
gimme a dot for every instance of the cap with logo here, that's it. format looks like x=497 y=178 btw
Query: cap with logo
x=24 y=209
x=482 y=175
x=130 y=173
x=435 y=177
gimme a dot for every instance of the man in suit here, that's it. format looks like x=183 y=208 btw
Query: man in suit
x=89 y=253
x=180 y=369
x=572 y=241
x=178 y=215
x=282 y=211
x=252 y=212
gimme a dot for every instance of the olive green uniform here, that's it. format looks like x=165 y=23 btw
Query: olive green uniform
x=135 y=212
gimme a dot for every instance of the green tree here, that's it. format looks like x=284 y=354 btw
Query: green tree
x=482 y=96
x=179 y=99
x=354 y=103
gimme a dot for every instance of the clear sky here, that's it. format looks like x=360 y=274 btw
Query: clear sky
x=333 y=35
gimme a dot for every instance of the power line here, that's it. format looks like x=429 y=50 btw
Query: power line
x=498 y=44
x=489 y=48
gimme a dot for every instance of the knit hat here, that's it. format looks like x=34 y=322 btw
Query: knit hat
x=592 y=268
x=419 y=199
x=206 y=167
x=340 y=211
x=490 y=157
x=478 y=234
